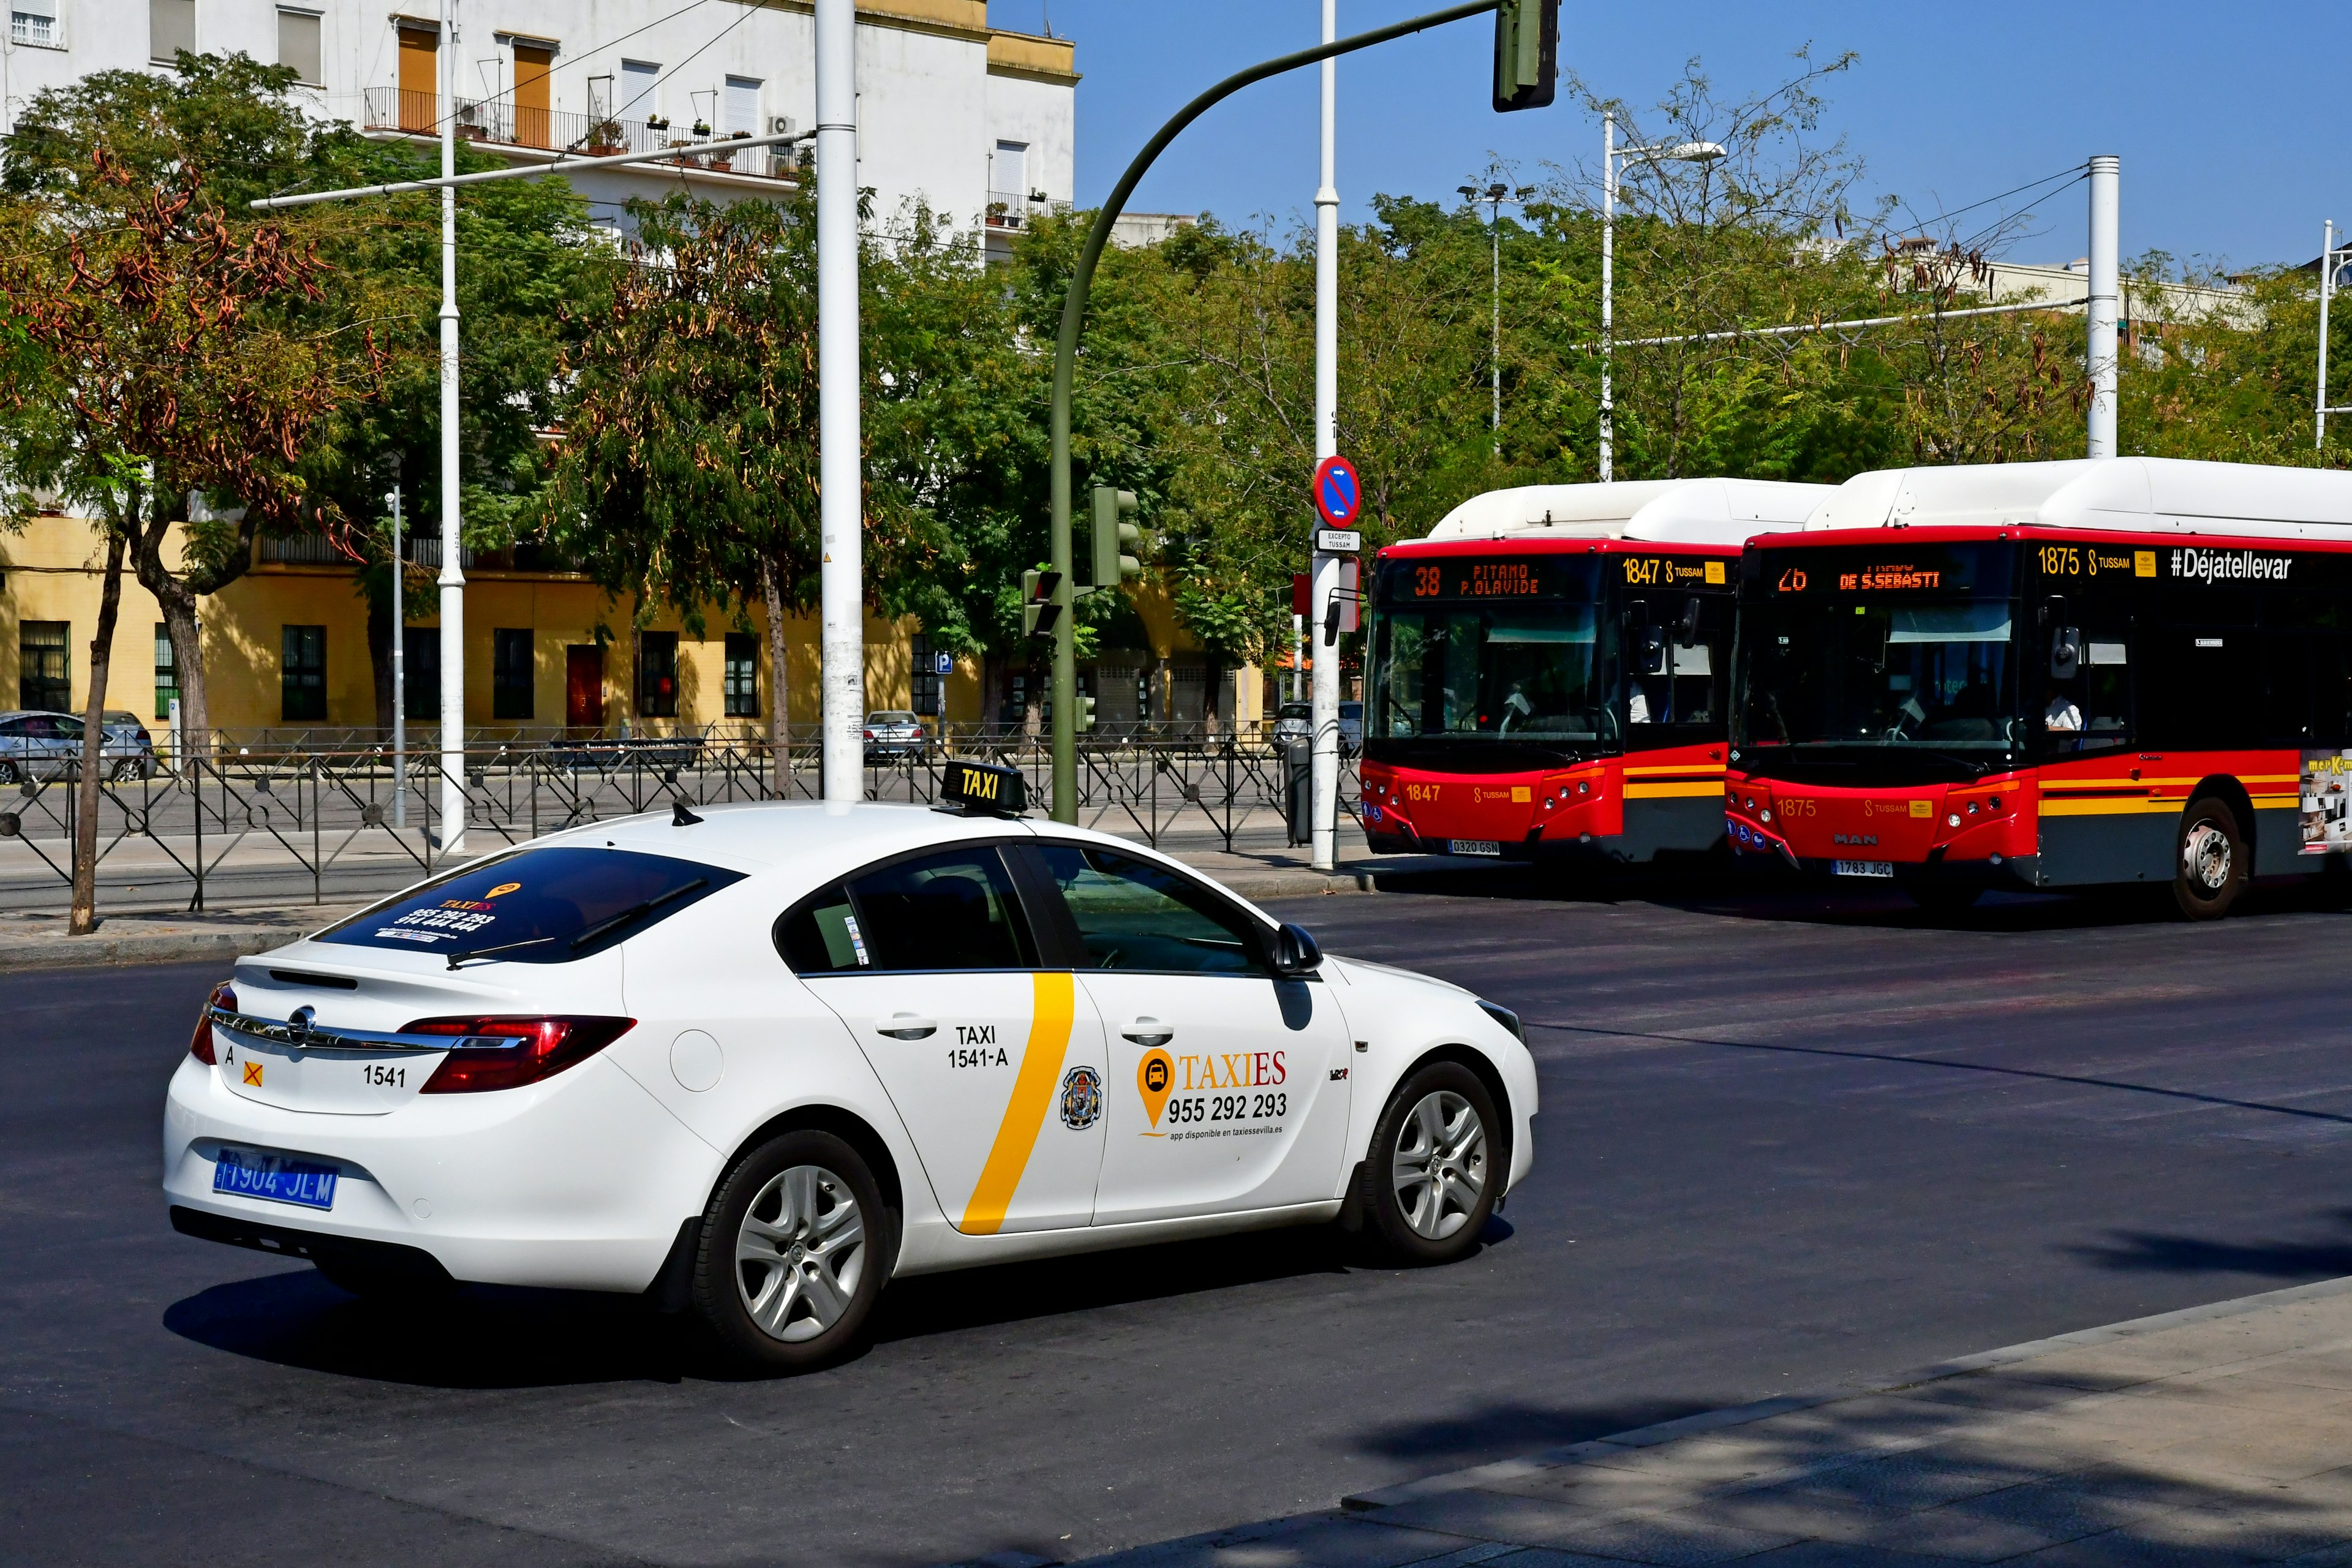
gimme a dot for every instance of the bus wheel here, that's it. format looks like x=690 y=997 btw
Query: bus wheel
x=2211 y=870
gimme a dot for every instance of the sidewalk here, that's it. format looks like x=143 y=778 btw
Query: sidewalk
x=37 y=939
x=2218 y=1435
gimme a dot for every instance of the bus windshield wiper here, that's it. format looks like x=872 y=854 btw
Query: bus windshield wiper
x=635 y=911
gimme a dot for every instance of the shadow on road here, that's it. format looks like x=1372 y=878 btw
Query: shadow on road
x=1709 y=885
x=486 y=1336
x=2157 y=1252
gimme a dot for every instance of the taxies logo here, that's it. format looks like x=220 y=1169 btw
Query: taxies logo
x=2228 y=565
x=1159 y=1074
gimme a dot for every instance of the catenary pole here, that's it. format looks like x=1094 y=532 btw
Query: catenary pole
x=399 y=673
x=1608 y=283
x=2326 y=288
x=2107 y=176
x=1073 y=315
x=1324 y=780
x=840 y=487
x=452 y=580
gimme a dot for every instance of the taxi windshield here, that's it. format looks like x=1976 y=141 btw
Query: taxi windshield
x=1494 y=650
x=537 y=906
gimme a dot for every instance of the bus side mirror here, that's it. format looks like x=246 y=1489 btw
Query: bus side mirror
x=1649 y=650
x=1689 y=636
x=2066 y=652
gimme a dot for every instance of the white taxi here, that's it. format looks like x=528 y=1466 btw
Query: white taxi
x=759 y=1060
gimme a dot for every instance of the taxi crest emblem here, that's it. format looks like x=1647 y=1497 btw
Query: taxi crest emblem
x=1082 y=1098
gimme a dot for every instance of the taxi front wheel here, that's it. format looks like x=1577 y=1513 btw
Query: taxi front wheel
x=795 y=1249
x=1431 y=1175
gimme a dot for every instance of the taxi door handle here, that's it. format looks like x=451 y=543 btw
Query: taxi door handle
x=1149 y=1032
x=906 y=1026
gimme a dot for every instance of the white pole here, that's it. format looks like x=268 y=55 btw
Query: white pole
x=1494 y=352
x=452 y=580
x=399 y=674
x=2106 y=175
x=2326 y=288
x=1298 y=659
x=1608 y=262
x=1325 y=678
x=842 y=674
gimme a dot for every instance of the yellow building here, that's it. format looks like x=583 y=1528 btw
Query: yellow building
x=286 y=651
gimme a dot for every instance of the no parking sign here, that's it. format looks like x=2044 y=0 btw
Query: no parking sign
x=1339 y=495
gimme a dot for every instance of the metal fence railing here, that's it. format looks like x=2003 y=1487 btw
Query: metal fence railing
x=321 y=814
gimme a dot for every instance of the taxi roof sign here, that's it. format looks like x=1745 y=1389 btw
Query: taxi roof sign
x=983 y=789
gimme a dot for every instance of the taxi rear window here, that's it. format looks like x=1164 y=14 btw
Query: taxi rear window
x=537 y=906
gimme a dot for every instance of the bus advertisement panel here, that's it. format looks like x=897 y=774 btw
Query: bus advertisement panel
x=1537 y=697
x=1962 y=707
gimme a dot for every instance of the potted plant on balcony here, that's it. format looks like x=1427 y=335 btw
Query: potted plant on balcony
x=605 y=138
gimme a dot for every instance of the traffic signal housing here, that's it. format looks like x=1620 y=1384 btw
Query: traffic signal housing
x=1526 y=54
x=1039 y=613
x=1118 y=542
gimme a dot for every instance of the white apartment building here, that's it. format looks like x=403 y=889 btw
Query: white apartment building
x=977 y=121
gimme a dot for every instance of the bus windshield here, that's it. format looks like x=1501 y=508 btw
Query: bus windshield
x=1492 y=649
x=1837 y=652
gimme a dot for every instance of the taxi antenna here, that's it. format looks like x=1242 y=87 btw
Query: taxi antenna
x=681 y=817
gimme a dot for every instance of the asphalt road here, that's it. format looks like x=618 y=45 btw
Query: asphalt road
x=1787 y=1140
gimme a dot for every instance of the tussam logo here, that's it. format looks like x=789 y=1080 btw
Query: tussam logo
x=2228 y=565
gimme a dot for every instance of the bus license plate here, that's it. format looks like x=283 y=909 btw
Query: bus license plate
x=1862 y=868
x=1474 y=846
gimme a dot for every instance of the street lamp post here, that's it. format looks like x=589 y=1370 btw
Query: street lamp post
x=1682 y=153
x=1497 y=197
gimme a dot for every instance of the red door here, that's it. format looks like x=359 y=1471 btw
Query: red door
x=584 y=686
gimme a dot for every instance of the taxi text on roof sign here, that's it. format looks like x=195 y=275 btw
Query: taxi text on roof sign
x=983 y=787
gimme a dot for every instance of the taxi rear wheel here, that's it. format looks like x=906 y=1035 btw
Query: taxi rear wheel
x=1433 y=1171
x=793 y=1253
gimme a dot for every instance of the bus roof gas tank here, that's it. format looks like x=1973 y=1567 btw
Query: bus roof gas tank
x=2123 y=495
x=1720 y=511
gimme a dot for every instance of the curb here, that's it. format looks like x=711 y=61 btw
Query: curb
x=144 y=947
x=1293 y=884
x=1764 y=1409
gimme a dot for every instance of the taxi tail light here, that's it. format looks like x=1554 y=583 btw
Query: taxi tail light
x=200 y=1044
x=542 y=1048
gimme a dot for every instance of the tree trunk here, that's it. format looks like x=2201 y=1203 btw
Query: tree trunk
x=93 y=745
x=188 y=663
x=779 y=728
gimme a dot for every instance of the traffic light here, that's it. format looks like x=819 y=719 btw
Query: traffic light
x=1526 y=54
x=1115 y=537
x=1039 y=613
x=1085 y=714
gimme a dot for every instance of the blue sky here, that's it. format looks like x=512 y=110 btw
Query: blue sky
x=2220 y=116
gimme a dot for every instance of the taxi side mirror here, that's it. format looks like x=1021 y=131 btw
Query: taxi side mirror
x=1296 y=952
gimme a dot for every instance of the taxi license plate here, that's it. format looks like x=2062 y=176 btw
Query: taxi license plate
x=1474 y=846
x=1861 y=867
x=281 y=1179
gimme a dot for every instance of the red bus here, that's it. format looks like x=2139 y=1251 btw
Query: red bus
x=1546 y=672
x=2051 y=674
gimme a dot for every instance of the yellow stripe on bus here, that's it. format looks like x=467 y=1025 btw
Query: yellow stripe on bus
x=1660 y=791
x=1024 y=1114
x=2107 y=807
x=1678 y=768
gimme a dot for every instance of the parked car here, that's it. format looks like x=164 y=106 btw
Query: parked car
x=40 y=744
x=1294 y=721
x=892 y=735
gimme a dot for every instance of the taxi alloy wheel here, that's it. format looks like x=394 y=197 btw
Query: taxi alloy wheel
x=1431 y=1173
x=2211 y=867
x=795 y=1248
x=799 y=1253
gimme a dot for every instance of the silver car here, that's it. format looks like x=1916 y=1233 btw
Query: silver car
x=37 y=744
x=891 y=735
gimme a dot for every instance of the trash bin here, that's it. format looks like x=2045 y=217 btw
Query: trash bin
x=1298 y=782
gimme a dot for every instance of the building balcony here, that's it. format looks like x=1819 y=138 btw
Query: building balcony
x=1012 y=209
x=498 y=122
